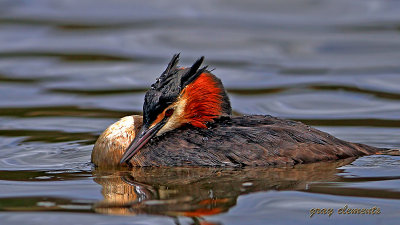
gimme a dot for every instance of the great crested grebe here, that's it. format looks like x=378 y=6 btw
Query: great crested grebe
x=187 y=121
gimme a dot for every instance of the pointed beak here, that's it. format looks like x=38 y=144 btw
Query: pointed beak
x=140 y=140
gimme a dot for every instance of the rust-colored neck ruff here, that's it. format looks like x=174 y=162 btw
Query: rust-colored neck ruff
x=204 y=98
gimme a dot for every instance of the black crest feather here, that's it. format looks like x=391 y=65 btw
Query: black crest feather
x=168 y=72
x=168 y=86
x=193 y=72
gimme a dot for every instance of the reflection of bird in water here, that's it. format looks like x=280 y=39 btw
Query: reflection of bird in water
x=187 y=122
x=198 y=192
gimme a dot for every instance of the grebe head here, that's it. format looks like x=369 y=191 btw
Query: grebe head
x=180 y=96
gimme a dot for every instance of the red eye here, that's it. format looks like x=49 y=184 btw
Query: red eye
x=169 y=112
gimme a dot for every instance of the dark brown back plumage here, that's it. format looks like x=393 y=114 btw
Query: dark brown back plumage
x=247 y=141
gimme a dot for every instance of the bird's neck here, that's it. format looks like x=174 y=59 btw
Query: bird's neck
x=205 y=100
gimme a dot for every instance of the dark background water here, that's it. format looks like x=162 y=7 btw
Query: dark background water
x=70 y=68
